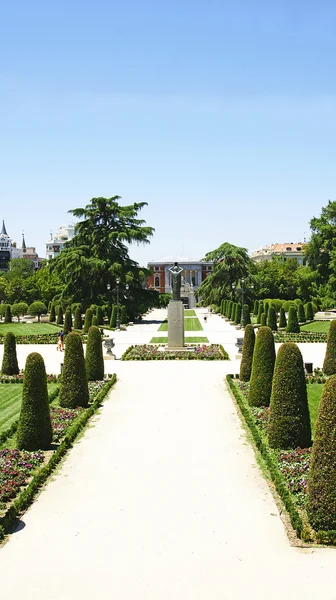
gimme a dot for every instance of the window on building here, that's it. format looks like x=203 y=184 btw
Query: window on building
x=299 y=249
x=288 y=249
x=156 y=268
x=157 y=282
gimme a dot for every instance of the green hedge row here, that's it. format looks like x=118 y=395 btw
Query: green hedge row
x=302 y=337
x=27 y=495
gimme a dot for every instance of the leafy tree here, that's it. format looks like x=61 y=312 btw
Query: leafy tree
x=256 y=308
x=329 y=364
x=94 y=361
x=247 y=354
x=74 y=386
x=282 y=318
x=262 y=368
x=60 y=319
x=67 y=322
x=246 y=315
x=293 y=323
x=19 y=309
x=19 y=268
x=277 y=278
x=8 y=314
x=36 y=309
x=289 y=422
x=3 y=308
x=52 y=315
x=321 y=250
x=88 y=320
x=272 y=319
x=34 y=429
x=9 y=361
x=78 y=319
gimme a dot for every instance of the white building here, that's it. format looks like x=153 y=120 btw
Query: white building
x=285 y=251
x=55 y=244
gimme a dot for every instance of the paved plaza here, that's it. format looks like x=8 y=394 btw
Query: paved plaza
x=162 y=498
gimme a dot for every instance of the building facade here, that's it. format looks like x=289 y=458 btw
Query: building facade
x=285 y=251
x=9 y=250
x=195 y=271
x=55 y=244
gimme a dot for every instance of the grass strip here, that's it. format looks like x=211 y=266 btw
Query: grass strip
x=191 y=340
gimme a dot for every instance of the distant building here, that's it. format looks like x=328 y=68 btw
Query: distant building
x=29 y=253
x=195 y=271
x=55 y=244
x=9 y=250
x=285 y=251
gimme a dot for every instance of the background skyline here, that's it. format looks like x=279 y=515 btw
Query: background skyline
x=220 y=116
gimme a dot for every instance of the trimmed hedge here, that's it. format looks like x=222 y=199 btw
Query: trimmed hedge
x=321 y=490
x=266 y=309
x=94 y=361
x=88 y=319
x=256 y=308
x=329 y=364
x=100 y=315
x=289 y=422
x=238 y=313
x=309 y=311
x=247 y=354
x=263 y=320
x=282 y=318
x=9 y=361
x=94 y=321
x=78 y=319
x=60 y=319
x=34 y=428
x=52 y=315
x=246 y=315
x=67 y=322
x=293 y=323
x=272 y=319
x=260 y=311
x=113 y=321
x=74 y=386
x=301 y=313
x=262 y=368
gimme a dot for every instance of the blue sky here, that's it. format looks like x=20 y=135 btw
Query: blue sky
x=221 y=115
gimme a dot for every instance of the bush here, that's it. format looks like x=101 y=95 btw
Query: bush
x=321 y=488
x=293 y=323
x=266 y=309
x=36 y=309
x=238 y=314
x=289 y=422
x=19 y=309
x=74 y=386
x=60 y=319
x=8 y=314
x=94 y=361
x=67 y=322
x=260 y=311
x=100 y=316
x=113 y=321
x=78 y=319
x=123 y=315
x=233 y=312
x=74 y=307
x=246 y=315
x=282 y=318
x=94 y=321
x=309 y=311
x=52 y=315
x=229 y=310
x=34 y=428
x=329 y=364
x=88 y=319
x=287 y=304
x=272 y=320
x=256 y=308
x=262 y=368
x=263 y=320
x=247 y=355
x=9 y=361
x=301 y=312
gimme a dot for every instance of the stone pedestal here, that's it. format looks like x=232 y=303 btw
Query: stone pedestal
x=175 y=324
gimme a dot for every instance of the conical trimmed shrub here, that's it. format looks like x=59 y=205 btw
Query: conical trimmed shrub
x=74 y=386
x=94 y=361
x=52 y=314
x=309 y=311
x=34 y=428
x=247 y=354
x=100 y=315
x=9 y=361
x=301 y=313
x=60 y=319
x=266 y=309
x=78 y=319
x=123 y=315
x=238 y=314
x=233 y=312
x=272 y=320
x=94 y=321
x=289 y=422
x=8 y=314
x=282 y=318
x=246 y=315
x=256 y=308
x=67 y=322
x=229 y=312
x=260 y=311
x=263 y=320
x=321 y=488
x=293 y=323
x=113 y=321
x=329 y=364
x=88 y=320
x=262 y=368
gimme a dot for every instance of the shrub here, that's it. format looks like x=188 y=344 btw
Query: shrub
x=266 y=309
x=123 y=315
x=329 y=364
x=246 y=315
x=309 y=311
x=301 y=312
x=9 y=361
x=74 y=307
x=67 y=322
x=88 y=319
x=19 y=309
x=263 y=320
x=247 y=355
x=282 y=318
x=262 y=368
x=36 y=309
x=321 y=489
x=293 y=323
x=238 y=313
x=52 y=315
x=287 y=304
x=34 y=427
x=256 y=308
x=100 y=315
x=78 y=319
x=8 y=314
x=94 y=321
x=60 y=319
x=229 y=311
x=272 y=320
x=289 y=422
x=260 y=311
x=113 y=321
x=74 y=386
x=94 y=361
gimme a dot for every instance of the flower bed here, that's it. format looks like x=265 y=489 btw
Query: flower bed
x=199 y=352
x=16 y=466
x=19 y=378
x=302 y=337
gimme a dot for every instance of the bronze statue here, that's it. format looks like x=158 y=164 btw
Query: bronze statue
x=175 y=272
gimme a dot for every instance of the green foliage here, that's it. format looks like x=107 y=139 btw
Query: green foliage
x=94 y=321
x=37 y=308
x=52 y=315
x=60 y=319
x=246 y=315
x=266 y=309
x=9 y=361
x=238 y=313
x=247 y=354
x=19 y=309
x=34 y=428
x=262 y=368
x=74 y=307
x=301 y=312
x=263 y=320
x=256 y=308
x=67 y=322
x=282 y=318
x=78 y=319
x=286 y=305
x=8 y=314
x=74 y=386
x=233 y=312
x=123 y=315
x=272 y=319
x=113 y=321
x=321 y=489
x=309 y=311
x=289 y=422
x=94 y=361
x=260 y=311
x=100 y=315
x=293 y=323
x=329 y=364
x=88 y=319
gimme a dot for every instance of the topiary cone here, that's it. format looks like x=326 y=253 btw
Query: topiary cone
x=293 y=323
x=282 y=318
x=88 y=320
x=9 y=361
x=301 y=312
x=271 y=319
x=289 y=421
x=74 y=386
x=262 y=368
x=260 y=311
x=256 y=308
x=238 y=313
x=67 y=322
x=59 y=320
x=263 y=320
x=321 y=488
x=52 y=315
x=78 y=319
x=309 y=312
x=34 y=428
x=113 y=321
x=94 y=361
x=247 y=354
x=329 y=364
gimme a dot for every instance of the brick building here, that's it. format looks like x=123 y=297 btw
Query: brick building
x=195 y=271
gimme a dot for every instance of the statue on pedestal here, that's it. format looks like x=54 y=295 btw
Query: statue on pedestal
x=175 y=273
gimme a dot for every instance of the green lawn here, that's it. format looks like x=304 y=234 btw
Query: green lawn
x=317 y=326
x=188 y=340
x=190 y=324
x=189 y=313
x=27 y=328
x=314 y=396
x=10 y=402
